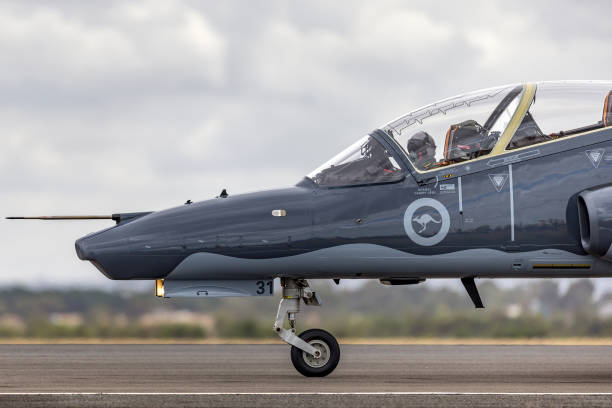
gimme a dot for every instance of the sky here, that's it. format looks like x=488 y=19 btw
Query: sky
x=121 y=106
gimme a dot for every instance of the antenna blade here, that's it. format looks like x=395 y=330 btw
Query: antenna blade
x=65 y=217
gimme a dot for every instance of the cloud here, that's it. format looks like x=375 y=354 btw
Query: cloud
x=125 y=106
x=145 y=47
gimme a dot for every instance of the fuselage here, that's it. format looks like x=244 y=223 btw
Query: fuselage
x=513 y=215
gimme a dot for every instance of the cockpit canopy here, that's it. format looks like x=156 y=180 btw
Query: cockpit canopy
x=496 y=120
x=467 y=127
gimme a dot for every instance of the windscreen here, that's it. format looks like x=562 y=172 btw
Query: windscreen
x=364 y=162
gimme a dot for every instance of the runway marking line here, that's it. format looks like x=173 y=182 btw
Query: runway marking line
x=394 y=341
x=311 y=393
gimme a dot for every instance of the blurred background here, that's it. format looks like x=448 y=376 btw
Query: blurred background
x=112 y=106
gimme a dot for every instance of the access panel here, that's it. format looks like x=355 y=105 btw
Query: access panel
x=217 y=288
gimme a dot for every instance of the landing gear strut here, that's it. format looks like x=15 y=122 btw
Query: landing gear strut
x=315 y=352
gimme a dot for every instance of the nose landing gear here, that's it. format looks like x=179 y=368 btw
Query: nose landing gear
x=315 y=352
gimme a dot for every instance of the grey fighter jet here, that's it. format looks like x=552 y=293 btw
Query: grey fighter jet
x=507 y=182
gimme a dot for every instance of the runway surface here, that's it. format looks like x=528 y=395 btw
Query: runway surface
x=425 y=375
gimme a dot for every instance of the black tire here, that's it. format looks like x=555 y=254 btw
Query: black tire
x=320 y=337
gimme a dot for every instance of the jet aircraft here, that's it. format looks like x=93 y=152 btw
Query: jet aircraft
x=507 y=182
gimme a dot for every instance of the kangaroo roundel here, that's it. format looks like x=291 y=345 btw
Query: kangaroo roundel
x=426 y=221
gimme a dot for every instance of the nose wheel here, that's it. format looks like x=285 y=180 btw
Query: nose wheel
x=310 y=365
x=315 y=352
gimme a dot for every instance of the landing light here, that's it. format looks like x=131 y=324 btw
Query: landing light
x=159 y=287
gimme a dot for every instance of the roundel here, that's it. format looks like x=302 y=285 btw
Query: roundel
x=426 y=221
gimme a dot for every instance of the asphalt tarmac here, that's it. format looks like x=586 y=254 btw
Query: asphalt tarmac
x=262 y=375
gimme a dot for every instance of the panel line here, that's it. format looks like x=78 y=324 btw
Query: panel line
x=511 y=202
x=460 y=195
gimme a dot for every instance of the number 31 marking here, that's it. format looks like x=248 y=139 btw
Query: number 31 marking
x=261 y=287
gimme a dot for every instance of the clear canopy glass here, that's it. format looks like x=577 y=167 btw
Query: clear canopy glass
x=364 y=162
x=456 y=129
x=563 y=109
x=494 y=120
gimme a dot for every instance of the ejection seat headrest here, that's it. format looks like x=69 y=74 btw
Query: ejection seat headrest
x=607 y=110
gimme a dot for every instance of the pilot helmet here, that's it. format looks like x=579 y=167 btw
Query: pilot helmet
x=421 y=146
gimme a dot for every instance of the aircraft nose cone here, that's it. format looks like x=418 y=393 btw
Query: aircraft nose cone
x=82 y=250
x=122 y=253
